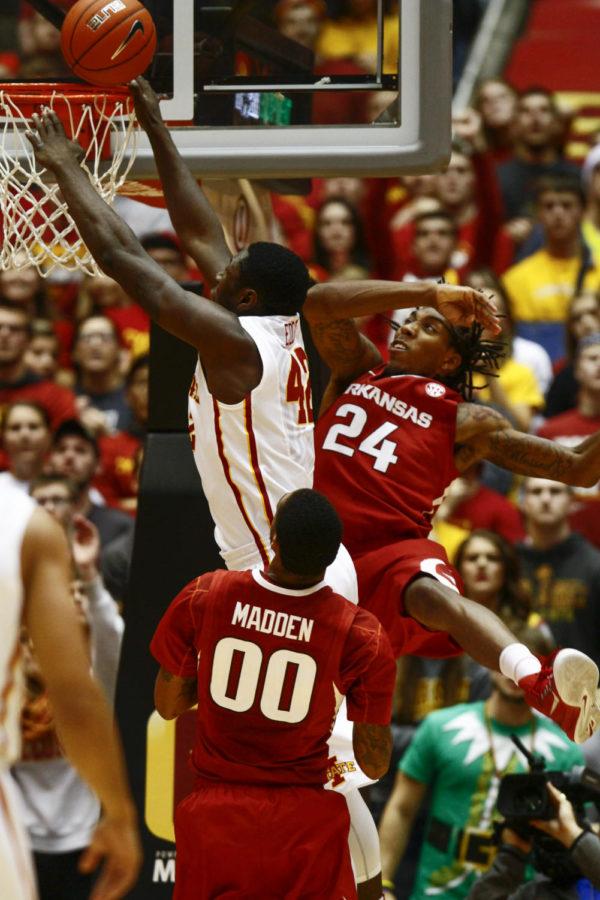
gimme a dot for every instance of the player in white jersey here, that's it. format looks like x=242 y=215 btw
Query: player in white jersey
x=35 y=591
x=250 y=453
x=248 y=344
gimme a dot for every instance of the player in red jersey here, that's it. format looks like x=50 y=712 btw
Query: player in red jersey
x=389 y=442
x=265 y=655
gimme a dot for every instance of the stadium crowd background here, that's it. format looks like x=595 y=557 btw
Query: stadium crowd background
x=513 y=213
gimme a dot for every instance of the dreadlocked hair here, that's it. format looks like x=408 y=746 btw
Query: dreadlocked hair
x=478 y=356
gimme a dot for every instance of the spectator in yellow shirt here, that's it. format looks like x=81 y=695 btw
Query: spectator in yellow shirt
x=541 y=286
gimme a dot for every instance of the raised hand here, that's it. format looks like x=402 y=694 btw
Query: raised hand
x=51 y=146
x=463 y=305
x=85 y=546
x=146 y=103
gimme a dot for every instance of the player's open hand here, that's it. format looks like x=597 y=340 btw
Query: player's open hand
x=116 y=843
x=52 y=148
x=146 y=103
x=463 y=305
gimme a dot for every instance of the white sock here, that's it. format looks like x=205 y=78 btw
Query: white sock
x=517 y=661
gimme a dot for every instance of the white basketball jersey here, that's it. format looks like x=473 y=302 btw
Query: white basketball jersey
x=249 y=454
x=15 y=512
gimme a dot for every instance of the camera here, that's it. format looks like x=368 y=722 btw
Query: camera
x=523 y=797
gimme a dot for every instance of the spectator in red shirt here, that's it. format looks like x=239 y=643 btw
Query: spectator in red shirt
x=496 y=102
x=573 y=426
x=17 y=382
x=468 y=191
x=117 y=479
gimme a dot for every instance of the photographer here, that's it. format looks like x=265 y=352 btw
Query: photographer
x=568 y=865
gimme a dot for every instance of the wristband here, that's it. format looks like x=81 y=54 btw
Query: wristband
x=387 y=884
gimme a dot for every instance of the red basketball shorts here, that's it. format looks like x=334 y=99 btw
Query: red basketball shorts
x=262 y=843
x=384 y=575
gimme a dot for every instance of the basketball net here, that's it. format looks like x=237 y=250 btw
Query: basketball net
x=37 y=228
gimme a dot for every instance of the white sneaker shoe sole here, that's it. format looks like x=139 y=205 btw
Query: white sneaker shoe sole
x=576 y=680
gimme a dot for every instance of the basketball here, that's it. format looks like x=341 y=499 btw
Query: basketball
x=108 y=43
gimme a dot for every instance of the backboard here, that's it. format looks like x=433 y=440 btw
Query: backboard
x=244 y=95
x=248 y=96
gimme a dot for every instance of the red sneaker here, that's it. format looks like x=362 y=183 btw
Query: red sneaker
x=566 y=690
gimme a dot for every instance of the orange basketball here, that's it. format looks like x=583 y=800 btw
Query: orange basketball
x=108 y=42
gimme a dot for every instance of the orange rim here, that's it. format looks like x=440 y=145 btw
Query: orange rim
x=29 y=96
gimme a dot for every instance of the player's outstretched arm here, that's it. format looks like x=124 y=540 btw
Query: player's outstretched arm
x=83 y=719
x=195 y=221
x=346 y=300
x=482 y=433
x=229 y=355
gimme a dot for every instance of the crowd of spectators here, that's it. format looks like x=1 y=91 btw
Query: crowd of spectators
x=510 y=215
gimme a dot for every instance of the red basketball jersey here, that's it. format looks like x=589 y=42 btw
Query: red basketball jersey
x=385 y=456
x=269 y=661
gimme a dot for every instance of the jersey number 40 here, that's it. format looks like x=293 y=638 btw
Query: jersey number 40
x=287 y=685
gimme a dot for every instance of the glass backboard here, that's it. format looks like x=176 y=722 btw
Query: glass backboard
x=250 y=94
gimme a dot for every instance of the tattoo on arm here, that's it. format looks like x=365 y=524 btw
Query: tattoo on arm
x=338 y=340
x=372 y=747
x=346 y=351
x=188 y=689
x=527 y=454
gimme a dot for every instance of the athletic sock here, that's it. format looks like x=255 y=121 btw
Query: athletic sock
x=517 y=661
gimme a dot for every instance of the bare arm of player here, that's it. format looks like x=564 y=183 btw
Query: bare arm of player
x=229 y=355
x=195 y=221
x=83 y=719
x=483 y=433
x=330 y=310
x=174 y=695
x=397 y=822
x=372 y=746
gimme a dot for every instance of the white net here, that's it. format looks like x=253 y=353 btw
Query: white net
x=36 y=226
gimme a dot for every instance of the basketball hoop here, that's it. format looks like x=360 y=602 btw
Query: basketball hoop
x=37 y=228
